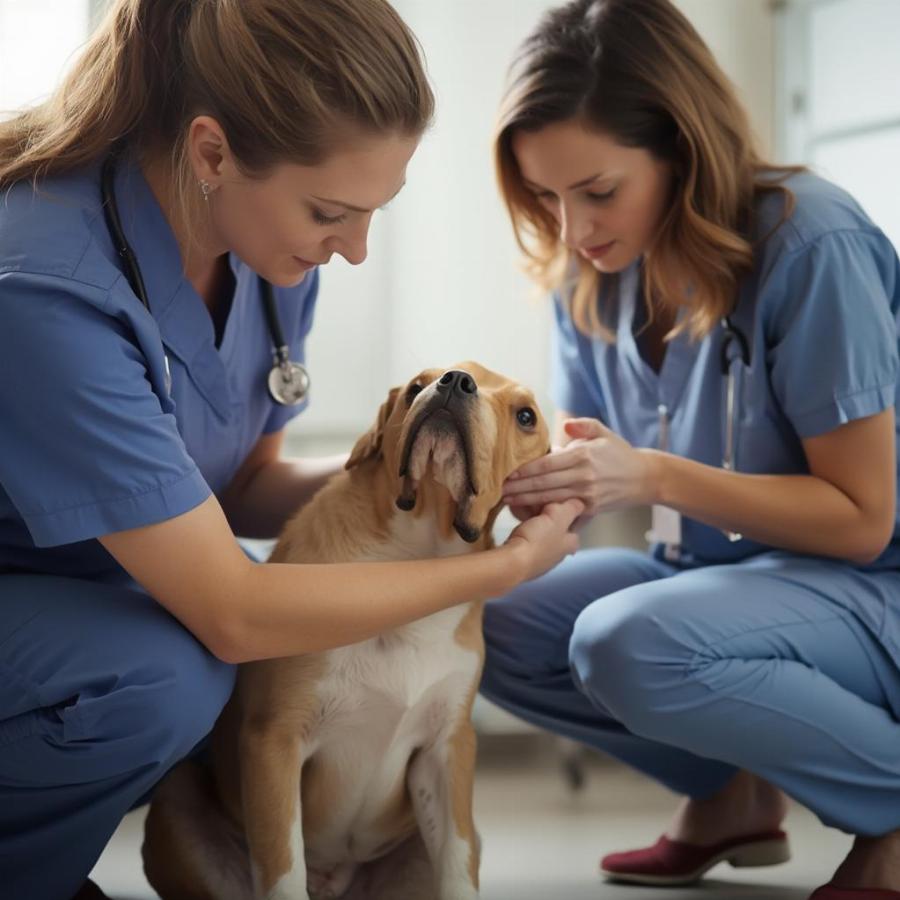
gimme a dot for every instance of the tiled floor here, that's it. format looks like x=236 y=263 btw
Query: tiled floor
x=541 y=841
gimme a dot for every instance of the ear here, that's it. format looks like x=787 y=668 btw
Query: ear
x=369 y=445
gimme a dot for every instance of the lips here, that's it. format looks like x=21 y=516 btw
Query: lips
x=599 y=250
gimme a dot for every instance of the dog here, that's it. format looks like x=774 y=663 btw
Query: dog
x=349 y=773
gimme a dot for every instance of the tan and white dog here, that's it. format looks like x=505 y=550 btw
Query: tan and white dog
x=349 y=773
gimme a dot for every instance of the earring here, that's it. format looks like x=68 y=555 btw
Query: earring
x=207 y=189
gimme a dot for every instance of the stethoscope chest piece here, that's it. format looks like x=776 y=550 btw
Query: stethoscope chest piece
x=288 y=383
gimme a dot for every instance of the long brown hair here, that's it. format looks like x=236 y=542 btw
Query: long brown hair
x=288 y=81
x=638 y=71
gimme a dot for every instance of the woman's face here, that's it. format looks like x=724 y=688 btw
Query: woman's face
x=608 y=199
x=298 y=216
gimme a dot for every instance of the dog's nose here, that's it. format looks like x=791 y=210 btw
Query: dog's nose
x=456 y=382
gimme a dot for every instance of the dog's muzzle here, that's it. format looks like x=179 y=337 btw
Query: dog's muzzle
x=440 y=436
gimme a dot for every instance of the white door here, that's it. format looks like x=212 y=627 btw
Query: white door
x=840 y=98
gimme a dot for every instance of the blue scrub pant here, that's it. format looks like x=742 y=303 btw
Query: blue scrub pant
x=101 y=692
x=782 y=665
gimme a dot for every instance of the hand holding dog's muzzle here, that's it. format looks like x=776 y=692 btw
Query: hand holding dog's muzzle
x=546 y=539
x=597 y=466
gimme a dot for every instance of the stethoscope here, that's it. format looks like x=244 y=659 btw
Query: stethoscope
x=732 y=336
x=288 y=381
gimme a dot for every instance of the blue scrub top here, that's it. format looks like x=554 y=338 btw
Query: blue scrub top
x=90 y=442
x=821 y=311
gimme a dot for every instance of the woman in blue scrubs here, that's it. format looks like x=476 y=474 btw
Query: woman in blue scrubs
x=726 y=350
x=253 y=142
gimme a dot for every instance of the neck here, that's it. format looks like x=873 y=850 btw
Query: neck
x=202 y=256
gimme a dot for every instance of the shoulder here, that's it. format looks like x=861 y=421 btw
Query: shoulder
x=814 y=210
x=822 y=255
x=56 y=229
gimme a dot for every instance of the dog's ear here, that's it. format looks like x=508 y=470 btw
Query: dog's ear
x=369 y=445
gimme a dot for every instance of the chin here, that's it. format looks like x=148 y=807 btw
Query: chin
x=614 y=263
x=287 y=279
x=299 y=279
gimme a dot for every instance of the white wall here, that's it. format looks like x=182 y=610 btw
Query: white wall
x=840 y=72
x=448 y=287
x=37 y=40
x=741 y=35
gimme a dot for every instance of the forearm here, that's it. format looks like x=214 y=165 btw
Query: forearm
x=276 y=491
x=286 y=610
x=801 y=513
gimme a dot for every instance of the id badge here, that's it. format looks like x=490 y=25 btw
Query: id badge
x=665 y=526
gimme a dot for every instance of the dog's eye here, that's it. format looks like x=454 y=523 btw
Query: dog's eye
x=412 y=391
x=526 y=417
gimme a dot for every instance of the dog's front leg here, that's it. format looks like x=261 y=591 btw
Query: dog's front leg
x=440 y=784
x=270 y=787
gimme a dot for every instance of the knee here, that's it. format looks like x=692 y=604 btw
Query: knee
x=631 y=656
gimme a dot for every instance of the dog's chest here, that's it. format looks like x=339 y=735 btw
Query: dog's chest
x=379 y=702
x=400 y=683
x=400 y=686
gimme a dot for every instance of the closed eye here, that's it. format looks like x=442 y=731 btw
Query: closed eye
x=321 y=219
x=600 y=198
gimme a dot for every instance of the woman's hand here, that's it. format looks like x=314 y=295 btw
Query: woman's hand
x=597 y=467
x=546 y=539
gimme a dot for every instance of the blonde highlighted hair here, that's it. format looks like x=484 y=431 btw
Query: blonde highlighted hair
x=638 y=71
x=288 y=81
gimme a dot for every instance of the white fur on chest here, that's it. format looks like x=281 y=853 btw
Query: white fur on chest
x=382 y=699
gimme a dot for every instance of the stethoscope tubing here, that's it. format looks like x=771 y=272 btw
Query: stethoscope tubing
x=288 y=382
x=733 y=335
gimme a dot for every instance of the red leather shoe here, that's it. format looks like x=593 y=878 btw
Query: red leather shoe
x=670 y=862
x=830 y=892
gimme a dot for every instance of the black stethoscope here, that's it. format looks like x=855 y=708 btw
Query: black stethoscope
x=732 y=336
x=288 y=381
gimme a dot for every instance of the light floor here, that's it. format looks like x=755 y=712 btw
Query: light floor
x=542 y=841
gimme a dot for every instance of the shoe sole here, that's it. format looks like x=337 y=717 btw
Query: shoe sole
x=743 y=856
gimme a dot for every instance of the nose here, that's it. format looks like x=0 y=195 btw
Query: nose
x=573 y=227
x=457 y=384
x=356 y=251
x=353 y=245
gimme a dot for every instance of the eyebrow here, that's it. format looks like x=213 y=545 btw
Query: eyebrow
x=578 y=184
x=356 y=208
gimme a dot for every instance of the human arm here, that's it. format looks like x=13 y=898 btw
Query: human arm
x=243 y=611
x=826 y=346
x=844 y=507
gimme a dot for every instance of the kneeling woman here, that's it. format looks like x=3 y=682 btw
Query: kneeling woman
x=726 y=348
